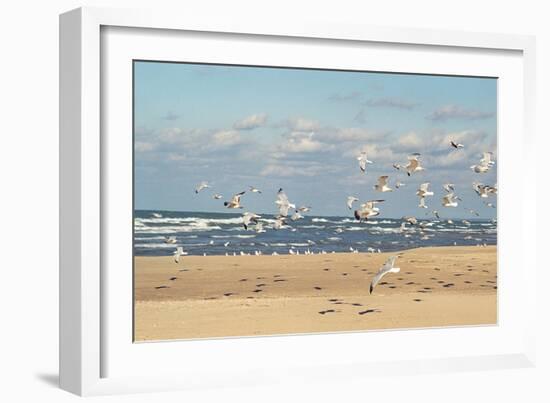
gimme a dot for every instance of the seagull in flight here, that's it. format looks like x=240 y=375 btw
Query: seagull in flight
x=156 y=215
x=170 y=240
x=254 y=190
x=411 y=220
x=449 y=200
x=178 y=253
x=385 y=269
x=283 y=203
x=296 y=216
x=279 y=223
x=413 y=165
x=350 y=201
x=259 y=228
x=423 y=190
x=217 y=196
x=456 y=145
x=304 y=209
x=485 y=163
x=201 y=186
x=235 y=201
x=367 y=210
x=399 y=184
x=449 y=187
x=250 y=218
x=382 y=185
x=363 y=161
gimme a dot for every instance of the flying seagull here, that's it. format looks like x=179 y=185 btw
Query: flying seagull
x=367 y=210
x=385 y=269
x=249 y=218
x=411 y=220
x=283 y=203
x=217 y=196
x=456 y=145
x=304 y=209
x=485 y=163
x=449 y=200
x=399 y=184
x=382 y=185
x=170 y=240
x=156 y=215
x=259 y=228
x=201 y=186
x=350 y=201
x=178 y=253
x=296 y=216
x=423 y=190
x=413 y=165
x=254 y=190
x=363 y=161
x=449 y=187
x=235 y=201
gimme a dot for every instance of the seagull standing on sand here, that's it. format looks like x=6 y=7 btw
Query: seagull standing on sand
x=385 y=269
x=413 y=165
x=350 y=201
x=235 y=201
x=250 y=218
x=283 y=203
x=363 y=161
x=382 y=185
x=201 y=186
x=367 y=210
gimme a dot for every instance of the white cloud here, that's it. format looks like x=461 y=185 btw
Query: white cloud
x=299 y=142
x=142 y=146
x=391 y=103
x=301 y=124
x=251 y=122
x=226 y=138
x=457 y=112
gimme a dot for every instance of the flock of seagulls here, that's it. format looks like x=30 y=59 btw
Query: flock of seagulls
x=288 y=211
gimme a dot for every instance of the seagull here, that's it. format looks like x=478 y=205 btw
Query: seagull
x=170 y=240
x=396 y=166
x=367 y=210
x=456 y=145
x=291 y=251
x=177 y=253
x=259 y=228
x=304 y=209
x=422 y=203
x=466 y=222
x=156 y=215
x=350 y=201
x=413 y=164
x=217 y=196
x=279 y=223
x=484 y=190
x=449 y=187
x=363 y=161
x=283 y=203
x=249 y=218
x=296 y=216
x=235 y=201
x=472 y=211
x=485 y=163
x=436 y=214
x=399 y=184
x=490 y=205
x=385 y=269
x=226 y=244
x=382 y=185
x=202 y=185
x=411 y=220
x=423 y=190
x=449 y=200
x=254 y=190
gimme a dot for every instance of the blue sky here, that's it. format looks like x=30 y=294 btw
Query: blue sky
x=301 y=130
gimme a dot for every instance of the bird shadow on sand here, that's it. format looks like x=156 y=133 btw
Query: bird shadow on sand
x=49 y=379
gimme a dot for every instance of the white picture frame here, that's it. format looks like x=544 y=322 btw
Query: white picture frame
x=88 y=348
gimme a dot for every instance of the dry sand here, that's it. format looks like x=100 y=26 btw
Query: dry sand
x=218 y=296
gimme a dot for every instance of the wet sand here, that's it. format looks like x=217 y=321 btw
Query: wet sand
x=219 y=296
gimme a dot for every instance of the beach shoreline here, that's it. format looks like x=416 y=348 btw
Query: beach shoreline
x=229 y=296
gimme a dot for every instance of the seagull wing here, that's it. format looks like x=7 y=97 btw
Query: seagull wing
x=385 y=269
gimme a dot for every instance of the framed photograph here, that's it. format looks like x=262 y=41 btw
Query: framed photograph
x=249 y=202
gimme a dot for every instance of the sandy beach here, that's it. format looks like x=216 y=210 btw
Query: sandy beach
x=218 y=296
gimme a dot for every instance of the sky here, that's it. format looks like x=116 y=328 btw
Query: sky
x=302 y=130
